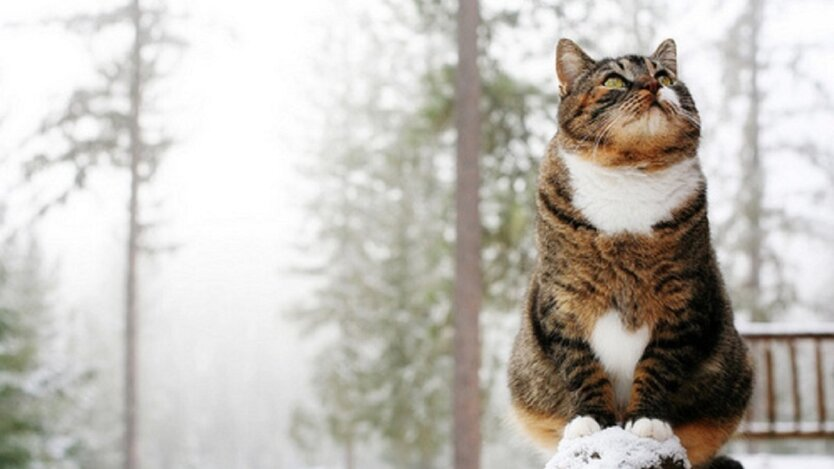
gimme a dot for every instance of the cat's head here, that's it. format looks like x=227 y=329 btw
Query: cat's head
x=627 y=111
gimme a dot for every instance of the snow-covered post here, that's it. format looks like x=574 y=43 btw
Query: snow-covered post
x=615 y=447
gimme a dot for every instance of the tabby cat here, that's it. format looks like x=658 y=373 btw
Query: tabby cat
x=627 y=320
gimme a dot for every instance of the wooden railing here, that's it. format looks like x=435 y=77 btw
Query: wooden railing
x=793 y=395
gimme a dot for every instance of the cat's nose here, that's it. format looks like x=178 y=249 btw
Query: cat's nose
x=647 y=83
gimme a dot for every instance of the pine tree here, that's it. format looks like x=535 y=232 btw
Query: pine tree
x=110 y=124
x=55 y=380
x=754 y=236
x=40 y=382
x=387 y=212
x=19 y=424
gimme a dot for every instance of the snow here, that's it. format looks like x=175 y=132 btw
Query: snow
x=620 y=449
x=616 y=448
x=788 y=427
x=784 y=461
x=785 y=328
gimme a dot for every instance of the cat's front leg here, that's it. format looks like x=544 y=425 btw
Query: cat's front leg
x=592 y=394
x=669 y=357
x=583 y=388
x=586 y=382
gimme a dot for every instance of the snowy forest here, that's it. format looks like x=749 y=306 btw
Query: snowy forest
x=231 y=230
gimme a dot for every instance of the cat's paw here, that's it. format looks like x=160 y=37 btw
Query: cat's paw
x=581 y=426
x=650 y=428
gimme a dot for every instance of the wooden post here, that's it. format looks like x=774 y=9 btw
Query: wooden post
x=797 y=407
x=821 y=411
x=769 y=388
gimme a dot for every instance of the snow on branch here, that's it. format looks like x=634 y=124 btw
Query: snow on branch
x=615 y=447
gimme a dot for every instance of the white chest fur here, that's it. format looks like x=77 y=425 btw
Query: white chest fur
x=619 y=350
x=628 y=199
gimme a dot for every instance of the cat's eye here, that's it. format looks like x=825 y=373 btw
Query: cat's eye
x=665 y=80
x=614 y=82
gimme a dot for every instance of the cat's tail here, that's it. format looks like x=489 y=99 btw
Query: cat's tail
x=720 y=462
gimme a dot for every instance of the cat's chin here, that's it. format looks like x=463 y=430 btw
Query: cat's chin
x=654 y=122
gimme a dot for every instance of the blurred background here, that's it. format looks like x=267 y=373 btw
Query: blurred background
x=265 y=190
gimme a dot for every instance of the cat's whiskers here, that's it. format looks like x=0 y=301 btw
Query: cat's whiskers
x=603 y=134
x=632 y=108
x=599 y=137
x=628 y=112
x=679 y=111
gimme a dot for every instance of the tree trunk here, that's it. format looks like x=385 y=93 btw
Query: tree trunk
x=754 y=180
x=131 y=321
x=468 y=284
x=350 y=458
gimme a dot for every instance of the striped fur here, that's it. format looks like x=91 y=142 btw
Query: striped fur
x=656 y=272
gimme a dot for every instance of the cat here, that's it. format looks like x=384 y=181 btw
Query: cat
x=627 y=320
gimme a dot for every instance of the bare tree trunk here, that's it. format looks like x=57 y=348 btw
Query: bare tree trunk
x=754 y=179
x=468 y=284
x=131 y=312
x=350 y=458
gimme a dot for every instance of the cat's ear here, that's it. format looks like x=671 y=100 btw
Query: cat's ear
x=667 y=55
x=571 y=62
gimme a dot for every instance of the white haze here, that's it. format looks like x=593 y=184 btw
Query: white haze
x=221 y=363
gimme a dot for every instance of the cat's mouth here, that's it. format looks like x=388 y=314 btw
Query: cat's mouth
x=657 y=108
x=651 y=120
x=652 y=116
x=650 y=106
x=655 y=102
